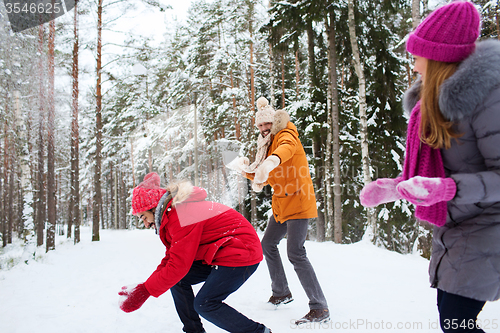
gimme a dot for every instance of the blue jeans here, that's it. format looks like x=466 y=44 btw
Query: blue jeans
x=297 y=232
x=220 y=282
x=458 y=313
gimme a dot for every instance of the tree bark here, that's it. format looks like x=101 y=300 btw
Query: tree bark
x=283 y=80
x=75 y=135
x=74 y=207
x=335 y=129
x=365 y=158
x=28 y=230
x=320 y=197
x=498 y=19
x=272 y=99
x=415 y=13
x=425 y=6
x=51 y=186
x=10 y=199
x=96 y=208
x=297 y=75
x=41 y=207
x=6 y=169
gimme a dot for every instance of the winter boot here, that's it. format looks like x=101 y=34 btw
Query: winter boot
x=315 y=316
x=280 y=299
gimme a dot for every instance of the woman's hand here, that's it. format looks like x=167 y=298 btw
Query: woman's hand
x=381 y=191
x=425 y=191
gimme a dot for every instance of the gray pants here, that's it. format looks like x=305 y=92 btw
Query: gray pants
x=297 y=232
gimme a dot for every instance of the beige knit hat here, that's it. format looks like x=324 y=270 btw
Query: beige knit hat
x=265 y=112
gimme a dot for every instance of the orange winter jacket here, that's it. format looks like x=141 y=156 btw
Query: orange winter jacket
x=293 y=196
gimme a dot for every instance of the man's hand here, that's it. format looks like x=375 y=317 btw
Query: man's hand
x=239 y=164
x=257 y=187
x=262 y=172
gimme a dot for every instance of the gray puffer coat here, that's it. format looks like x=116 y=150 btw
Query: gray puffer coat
x=466 y=250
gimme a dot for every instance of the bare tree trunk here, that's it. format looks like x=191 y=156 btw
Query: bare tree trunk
x=114 y=189
x=123 y=194
x=51 y=189
x=41 y=209
x=415 y=13
x=27 y=219
x=312 y=57
x=251 y=13
x=335 y=130
x=5 y=187
x=498 y=19
x=297 y=74
x=237 y=129
x=10 y=198
x=425 y=6
x=365 y=158
x=2 y=205
x=74 y=206
x=415 y=16
x=282 y=80
x=272 y=99
x=132 y=161
x=320 y=196
x=6 y=170
x=97 y=172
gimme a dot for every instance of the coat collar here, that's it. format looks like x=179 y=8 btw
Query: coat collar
x=280 y=121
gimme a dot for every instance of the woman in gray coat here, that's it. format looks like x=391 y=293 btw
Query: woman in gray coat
x=452 y=162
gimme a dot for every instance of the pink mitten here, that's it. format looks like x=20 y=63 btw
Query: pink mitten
x=425 y=191
x=134 y=297
x=381 y=191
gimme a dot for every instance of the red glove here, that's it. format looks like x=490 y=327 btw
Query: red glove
x=134 y=297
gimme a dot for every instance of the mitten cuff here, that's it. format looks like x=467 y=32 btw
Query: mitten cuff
x=145 y=288
x=450 y=189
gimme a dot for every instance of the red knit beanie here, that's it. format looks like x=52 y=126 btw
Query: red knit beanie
x=147 y=194
x=448 y=34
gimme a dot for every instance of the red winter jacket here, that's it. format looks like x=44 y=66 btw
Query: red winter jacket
x=202 y=230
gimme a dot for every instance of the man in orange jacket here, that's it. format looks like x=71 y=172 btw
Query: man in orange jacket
x=282 y=163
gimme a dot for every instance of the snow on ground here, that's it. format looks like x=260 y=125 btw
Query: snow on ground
x=75 y=289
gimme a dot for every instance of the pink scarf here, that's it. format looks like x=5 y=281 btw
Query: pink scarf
x=422 y=160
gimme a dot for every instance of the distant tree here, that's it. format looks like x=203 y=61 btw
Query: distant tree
x=74 y=202
x=51 y=181
x=41 y=204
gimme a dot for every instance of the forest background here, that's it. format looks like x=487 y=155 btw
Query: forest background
x=91 y=102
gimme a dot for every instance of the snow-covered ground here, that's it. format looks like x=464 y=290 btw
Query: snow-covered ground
x=75 y=289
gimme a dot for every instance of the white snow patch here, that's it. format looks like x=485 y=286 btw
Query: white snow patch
x=75 y=289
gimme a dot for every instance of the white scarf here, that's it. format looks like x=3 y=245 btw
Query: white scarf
x=263 y=143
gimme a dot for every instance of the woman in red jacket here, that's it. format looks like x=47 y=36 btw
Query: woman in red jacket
x=205 y=242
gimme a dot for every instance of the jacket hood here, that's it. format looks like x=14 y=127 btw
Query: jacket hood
x=473 y=81
x=280 y=122
x=186 y=192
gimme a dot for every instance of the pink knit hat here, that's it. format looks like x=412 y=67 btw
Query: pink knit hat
x=147 y=194
x=448 y=34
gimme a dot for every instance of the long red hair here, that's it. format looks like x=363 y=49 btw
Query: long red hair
x=435 y=130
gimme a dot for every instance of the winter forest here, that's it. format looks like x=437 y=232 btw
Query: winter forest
x=89 y=106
